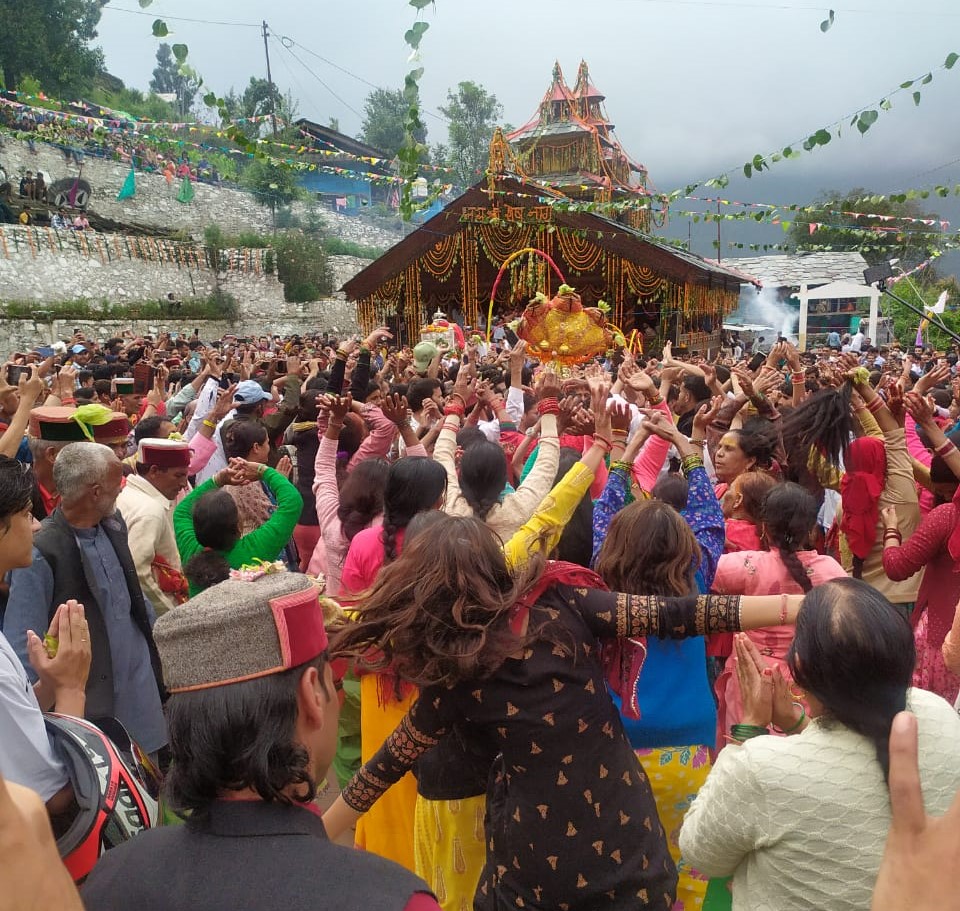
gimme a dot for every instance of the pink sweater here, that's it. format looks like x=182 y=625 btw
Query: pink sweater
x=331 y=550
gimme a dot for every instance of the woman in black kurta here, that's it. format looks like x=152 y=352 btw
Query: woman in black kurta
x=571 y=821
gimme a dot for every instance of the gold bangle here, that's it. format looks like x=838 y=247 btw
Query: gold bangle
x=656 y=400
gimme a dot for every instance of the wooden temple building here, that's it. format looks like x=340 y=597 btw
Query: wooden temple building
x=555 y=185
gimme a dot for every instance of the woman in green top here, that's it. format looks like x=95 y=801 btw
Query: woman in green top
x=207 y=525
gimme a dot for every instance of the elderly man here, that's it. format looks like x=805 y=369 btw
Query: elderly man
x=146 y=504
x=81 y=552
x=253 y=727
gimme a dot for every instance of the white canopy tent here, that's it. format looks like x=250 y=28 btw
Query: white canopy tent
x=837 y=290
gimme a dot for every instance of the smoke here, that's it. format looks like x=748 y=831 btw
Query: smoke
x=764 y=307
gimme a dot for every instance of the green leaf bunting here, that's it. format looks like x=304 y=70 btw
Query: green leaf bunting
x=180 y=52
x=827 y=23
x=866 y=120
x=160 y=29
x=414 y=35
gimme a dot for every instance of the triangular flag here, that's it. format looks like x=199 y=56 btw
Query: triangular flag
x=941 y=304
x=186 y=193
x=129 y=188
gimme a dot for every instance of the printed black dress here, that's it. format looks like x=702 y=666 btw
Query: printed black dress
x=571 y=821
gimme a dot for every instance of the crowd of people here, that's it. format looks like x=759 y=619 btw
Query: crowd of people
x=668 y=632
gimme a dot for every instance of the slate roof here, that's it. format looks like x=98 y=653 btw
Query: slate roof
x=796 y=269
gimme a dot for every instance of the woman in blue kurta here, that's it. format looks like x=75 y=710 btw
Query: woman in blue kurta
x=648 y=547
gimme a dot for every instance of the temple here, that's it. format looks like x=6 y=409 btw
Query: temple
x=561 y=202
x=569 y=146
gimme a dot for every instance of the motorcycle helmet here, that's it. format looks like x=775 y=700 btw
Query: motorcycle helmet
x=115 y=786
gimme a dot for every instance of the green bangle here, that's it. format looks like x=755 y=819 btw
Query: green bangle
x=800 y=720
x=742 y=732
x=623 y=466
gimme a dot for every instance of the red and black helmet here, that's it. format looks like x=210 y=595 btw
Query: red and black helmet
x=114 y=783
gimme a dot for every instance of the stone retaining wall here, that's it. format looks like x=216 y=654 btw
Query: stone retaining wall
x=155 y=203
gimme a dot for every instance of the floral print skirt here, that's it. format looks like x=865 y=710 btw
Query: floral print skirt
x=676 y=775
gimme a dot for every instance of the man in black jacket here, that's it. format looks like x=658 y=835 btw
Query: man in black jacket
x=253 y=717
x=81 y=552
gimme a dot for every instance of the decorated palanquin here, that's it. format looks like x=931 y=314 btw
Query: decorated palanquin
x=562 y=329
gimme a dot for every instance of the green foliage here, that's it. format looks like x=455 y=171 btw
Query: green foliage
x=473 y=113
x=839 y=231
x=218 y=306
x=50 y=40
x=923 y=294
x=337 y=246
x=168 y=80
x=303 y=267
x=257 y=101
x=384 y=116
x=270 y=184
x=133 y=101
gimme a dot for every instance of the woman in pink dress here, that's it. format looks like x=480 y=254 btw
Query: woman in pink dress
x=934 y=545
x=789 y=515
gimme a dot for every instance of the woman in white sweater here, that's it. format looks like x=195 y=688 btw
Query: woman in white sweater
x=800 y=822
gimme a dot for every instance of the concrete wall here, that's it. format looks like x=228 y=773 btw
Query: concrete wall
x=155 y=203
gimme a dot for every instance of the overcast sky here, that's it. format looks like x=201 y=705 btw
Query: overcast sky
x=695 y=88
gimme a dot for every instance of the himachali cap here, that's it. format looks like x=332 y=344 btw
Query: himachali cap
x=239 y=630
x=116 y=429
x=164 y=453
x=56 y=425
x=124 y=385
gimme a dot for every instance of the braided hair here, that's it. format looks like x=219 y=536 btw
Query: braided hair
x=822 y=420
x=483 y=477
x=414 y=484
x=789 y=513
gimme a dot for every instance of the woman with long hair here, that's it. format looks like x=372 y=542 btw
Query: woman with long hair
x=741 y=504
x=571 y=821
x=787 y=564
x=479 y=487
x=207 y=525
x=414 y=484
x=878 y=474
x=349 y=501
x=669 y=716
x=934 y=545
x=801 y=821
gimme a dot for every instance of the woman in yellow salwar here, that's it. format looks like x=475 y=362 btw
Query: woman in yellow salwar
x=449 y=840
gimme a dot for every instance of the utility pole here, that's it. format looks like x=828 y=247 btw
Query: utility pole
x=273 y=88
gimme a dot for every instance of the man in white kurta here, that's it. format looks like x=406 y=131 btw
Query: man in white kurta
x=146 y=504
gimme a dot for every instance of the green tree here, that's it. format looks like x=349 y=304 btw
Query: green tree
x=257 y=101
x=384 y=112
x=837 y=229
x=473 y=113
x=923 y=293
x=168 y=80
x=302 y=266
x=50 y=40
x=270 y=184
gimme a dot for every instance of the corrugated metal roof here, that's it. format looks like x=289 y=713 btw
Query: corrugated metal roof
x=799 y=268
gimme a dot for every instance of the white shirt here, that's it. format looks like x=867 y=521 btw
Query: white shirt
x=801 y=821
x=149 y=517
x=26 y=756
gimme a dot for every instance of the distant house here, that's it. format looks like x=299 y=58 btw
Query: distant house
x=816 y=293
x=350 y=175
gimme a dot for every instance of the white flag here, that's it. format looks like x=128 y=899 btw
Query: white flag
x=941 y=304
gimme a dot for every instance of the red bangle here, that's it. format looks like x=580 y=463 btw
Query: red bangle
x=453 y=408
x=604 y=442
x=944 y=448
x=548 y=405
x=875 y=404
